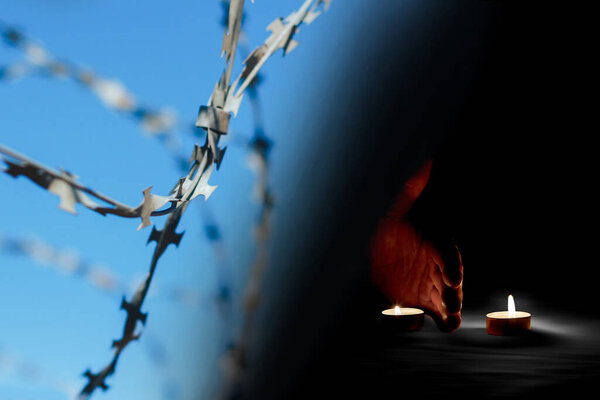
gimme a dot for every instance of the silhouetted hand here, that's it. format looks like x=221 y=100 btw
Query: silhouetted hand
x=411 y=270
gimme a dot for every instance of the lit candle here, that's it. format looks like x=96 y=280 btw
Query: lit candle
x=403 y=319
x=511 y=322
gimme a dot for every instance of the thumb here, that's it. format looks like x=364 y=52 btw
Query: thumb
x=411 y=190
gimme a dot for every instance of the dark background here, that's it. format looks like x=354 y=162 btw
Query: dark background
x=501 y=96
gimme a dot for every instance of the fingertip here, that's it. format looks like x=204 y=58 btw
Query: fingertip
x=452 y=300
x=453 y=322
x=448 y=322
x=452 y=266
x=439 y=321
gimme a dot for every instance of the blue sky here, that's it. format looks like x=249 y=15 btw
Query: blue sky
x=167 y=55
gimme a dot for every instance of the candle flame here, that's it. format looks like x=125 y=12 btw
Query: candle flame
x=512 y=313
x=397 y=311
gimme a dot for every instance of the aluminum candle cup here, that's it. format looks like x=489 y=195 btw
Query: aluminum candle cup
x=403 y=319
x=506 y=323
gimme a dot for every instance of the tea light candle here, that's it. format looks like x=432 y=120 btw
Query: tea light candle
x=403 y=319
x=511 y=322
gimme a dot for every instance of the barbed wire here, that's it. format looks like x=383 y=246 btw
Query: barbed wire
x=101 y=277
x=162 y=123
x=234 y=361
x=193 y=185
x=214 y=120
x=18 y=367
x=64 y=184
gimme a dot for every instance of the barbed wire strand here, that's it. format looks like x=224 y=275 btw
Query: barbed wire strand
x=162 y=123
x=234 y=362
x=64 y=184
x=230 y=362
x=100 y=277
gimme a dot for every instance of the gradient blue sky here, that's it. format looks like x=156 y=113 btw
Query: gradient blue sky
x=167 y=54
